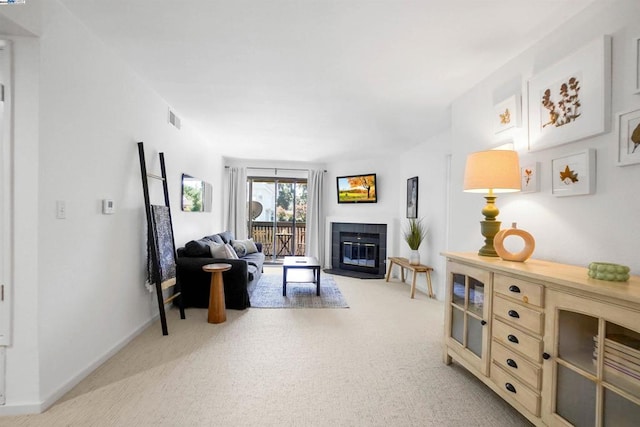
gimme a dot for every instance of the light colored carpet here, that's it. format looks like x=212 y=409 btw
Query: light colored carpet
x=268 y=293
x=378 y=363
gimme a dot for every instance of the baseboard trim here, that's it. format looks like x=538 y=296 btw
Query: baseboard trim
x=38 y=408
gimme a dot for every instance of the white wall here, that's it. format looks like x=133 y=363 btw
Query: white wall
x=574 y=230
x=79 y=282
x=428 y=161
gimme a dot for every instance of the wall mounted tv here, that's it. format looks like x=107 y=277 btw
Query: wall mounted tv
x=357 y=188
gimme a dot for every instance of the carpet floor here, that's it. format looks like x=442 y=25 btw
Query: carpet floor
x=268 y=293
x=379 y=363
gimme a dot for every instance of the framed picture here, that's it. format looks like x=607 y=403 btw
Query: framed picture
x=412 y=197
x=628 y=126
x=575 y=174
x=506 y=114
x=571 y=99
x=530 y=178
x=636 y=51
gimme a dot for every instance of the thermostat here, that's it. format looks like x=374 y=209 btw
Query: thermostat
x=108 y=207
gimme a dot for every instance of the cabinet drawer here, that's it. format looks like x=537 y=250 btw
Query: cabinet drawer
x=517 y=340
x=517 y=365
x=518 y=314
x=516 y=389
x=527 y=292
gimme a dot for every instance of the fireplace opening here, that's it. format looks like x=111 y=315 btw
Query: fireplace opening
x=359 y=251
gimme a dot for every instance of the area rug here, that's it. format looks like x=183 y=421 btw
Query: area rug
x=268 y=294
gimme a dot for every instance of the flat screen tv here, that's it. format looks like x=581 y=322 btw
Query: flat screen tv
x=357 y=189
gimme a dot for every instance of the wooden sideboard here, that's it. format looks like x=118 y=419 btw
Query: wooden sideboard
x=534 y=333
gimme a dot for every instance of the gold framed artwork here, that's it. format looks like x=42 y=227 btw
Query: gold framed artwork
x=574 y=174
x=571 y=99
x=530 y=178
x=628 y=141
x=507 y=114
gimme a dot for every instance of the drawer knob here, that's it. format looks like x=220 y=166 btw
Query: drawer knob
x=510 y=387
x=483 y=322
x=514 y=288
x=512 y=363
x=513 y=339
x=546 y=356
x=514 y=314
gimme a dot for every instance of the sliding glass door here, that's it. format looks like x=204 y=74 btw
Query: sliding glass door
x=277 y=215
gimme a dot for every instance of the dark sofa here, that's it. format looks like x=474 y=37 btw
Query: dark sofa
x=239 y=281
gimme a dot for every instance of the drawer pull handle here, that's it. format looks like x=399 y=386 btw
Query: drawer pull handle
x=483 y=322
x=514 y=288
x=513 y=313
x=510 y=387
x=513 y=339
x=546 y=356
x=512 y=363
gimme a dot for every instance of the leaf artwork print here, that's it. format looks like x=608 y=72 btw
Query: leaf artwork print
x=505 y=118
x=528 y=173
x=568 y=176
x=566 y=109
x=635 y=138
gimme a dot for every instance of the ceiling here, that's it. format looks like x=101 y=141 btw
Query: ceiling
x=317 y=80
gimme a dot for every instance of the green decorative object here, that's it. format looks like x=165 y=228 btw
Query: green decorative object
x=608 y=271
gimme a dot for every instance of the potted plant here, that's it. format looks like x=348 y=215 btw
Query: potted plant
x=414 y=235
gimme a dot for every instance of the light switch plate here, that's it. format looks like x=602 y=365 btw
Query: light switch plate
x=108 y=207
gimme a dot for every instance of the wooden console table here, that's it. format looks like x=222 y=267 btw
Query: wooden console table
x=404 y=263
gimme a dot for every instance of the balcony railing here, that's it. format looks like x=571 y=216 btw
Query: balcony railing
x=281 y=239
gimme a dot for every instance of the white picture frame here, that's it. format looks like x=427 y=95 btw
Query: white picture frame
x=507 y=114
x=571 y=100
x=574 y=174
x=636 y=51
x=529 y=178
x=628 y=138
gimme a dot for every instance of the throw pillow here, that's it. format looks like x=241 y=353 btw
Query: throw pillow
x=231 y=254
x=239 y=247
x=226 y=236
x=213 y=238
x=248 y=245
x=217 y=250
x=197 y=248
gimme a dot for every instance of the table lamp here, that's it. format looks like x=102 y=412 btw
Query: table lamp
x=493 y=171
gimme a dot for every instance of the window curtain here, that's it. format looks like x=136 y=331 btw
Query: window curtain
x=236 y=220
x=315 y=215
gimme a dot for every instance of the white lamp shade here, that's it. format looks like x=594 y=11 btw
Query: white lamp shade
x=495 y=170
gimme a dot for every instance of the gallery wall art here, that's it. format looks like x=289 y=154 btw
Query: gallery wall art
x=571 y=99
x=636 y=56
x=574 y=174
x=628 y=141
x=507 y=114
x=530 y=178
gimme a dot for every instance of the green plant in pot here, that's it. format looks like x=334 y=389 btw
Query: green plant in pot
x=414 y=234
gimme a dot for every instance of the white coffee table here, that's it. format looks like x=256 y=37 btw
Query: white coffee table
x=300 y=262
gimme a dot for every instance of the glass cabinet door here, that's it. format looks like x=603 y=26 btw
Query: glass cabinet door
x=468 y=313
x=595 y=372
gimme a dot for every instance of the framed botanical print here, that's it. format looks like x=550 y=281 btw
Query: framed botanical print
x=628 y=126
x=571 y=99
x=575 y=174
x=506 y=114
x=530 y=178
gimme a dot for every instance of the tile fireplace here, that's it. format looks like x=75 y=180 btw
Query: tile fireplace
x=358 y=249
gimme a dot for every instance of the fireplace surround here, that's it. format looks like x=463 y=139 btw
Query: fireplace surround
x=358 y=249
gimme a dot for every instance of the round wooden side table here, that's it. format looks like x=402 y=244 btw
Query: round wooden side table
x=217 y=313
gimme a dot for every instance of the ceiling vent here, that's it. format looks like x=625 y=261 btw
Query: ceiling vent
x=174 y=119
